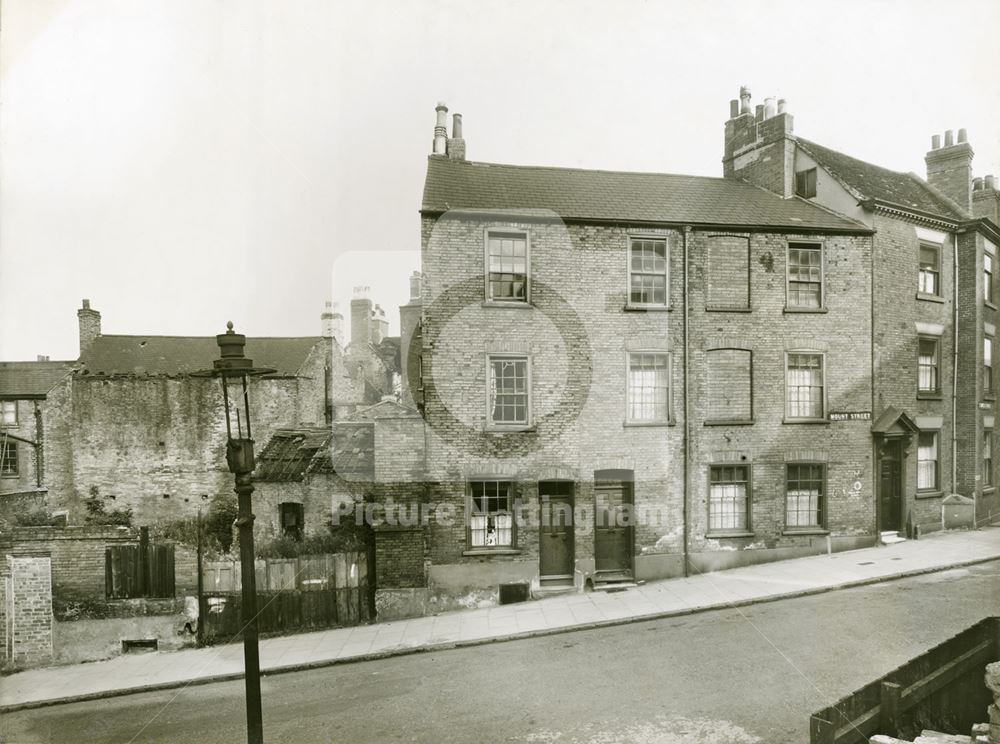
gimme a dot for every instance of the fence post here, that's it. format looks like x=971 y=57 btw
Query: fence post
x=821 y=731
x=144 y=582
x=201 y=589
x=890 y=708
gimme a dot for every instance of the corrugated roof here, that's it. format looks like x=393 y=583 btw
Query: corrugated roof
x=617 y=196
x=875 y=182
x=174 y=355
x=31 y=379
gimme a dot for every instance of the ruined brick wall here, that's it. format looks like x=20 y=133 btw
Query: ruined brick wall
x=767 y=441
x=399 y=558
x=26 y=614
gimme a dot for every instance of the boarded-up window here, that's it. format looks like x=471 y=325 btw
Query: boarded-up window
x=727 y=274
x=729 y=395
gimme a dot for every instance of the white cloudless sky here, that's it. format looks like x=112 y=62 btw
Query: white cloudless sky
x=182 y=163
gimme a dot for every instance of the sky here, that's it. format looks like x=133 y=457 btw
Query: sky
x=182 y=163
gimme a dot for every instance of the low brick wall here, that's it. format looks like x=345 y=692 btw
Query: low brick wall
x=26 y=617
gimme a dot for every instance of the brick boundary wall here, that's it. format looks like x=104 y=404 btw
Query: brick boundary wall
x=26 y=614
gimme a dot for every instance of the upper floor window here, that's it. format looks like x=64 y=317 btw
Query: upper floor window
x=8 y=458
x=988 y=365
x=804 y=386
x=929 y=281
x=928 y=380
x=648 y=387
x=491 y=518
x=8 y=413
x=648 y=271
x=507 y=266
x=988 y=277
x=805 y=183
x=805 y=276
x=508 y=396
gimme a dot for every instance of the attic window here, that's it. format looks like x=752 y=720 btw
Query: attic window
x=805 y=183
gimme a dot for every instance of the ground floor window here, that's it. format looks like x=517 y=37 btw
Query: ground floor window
x=8 y=458
x=292 y=520
x=927 y=461
x=728 y=498
x=491 y=518
x=805 y=488
x=987 y=458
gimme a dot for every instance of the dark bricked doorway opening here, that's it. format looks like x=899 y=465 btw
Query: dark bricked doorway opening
x=613 y=524
x=555 y=539
x=890 y=485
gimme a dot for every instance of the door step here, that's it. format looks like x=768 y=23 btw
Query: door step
x=613 y=586
x=891 y=536
x=553 y=590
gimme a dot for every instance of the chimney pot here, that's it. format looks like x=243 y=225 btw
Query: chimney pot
x=769 y=107
x=43 y=358
x=962 y=136
x=744 y=100
x=936 y=142
x=949 y=138
x=456 y=126
x=977 y=184
x=86 y=304
x=759 y=112
x=734 y=108
x=990 y=183
x=441 y=129
x=781 y=105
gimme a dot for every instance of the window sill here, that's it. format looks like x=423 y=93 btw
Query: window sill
x=646 y=424
x=930 y=396
x=990 y=305
x=805 y=310
x=934 y=493
x=989 y=396
x=729 y=422
x=796 y=531
x=10 y=476
x=647 y=308
x=494 y=429
x=723 y=309
x=735 y=533
x=930 y=297
x=515 y=305
x=805 y=421
x=490 y=551
x=989 y=489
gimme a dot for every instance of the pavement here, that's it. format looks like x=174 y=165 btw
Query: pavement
x=767 y=582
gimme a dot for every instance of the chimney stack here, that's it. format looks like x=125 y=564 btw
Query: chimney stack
x=440 y=132
x=949 y=168
x=332 y=323
x=90 y=325
x=456 y=144
x=759 y=146
x=361 y=315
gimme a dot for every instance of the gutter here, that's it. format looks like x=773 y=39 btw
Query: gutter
x=687 y=419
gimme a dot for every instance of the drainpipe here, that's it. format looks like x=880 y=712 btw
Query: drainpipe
x=687 y=422
x=39 y=448
x=954 y=364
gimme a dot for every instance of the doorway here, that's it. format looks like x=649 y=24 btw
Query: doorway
x=613 y=497
x=890 y=486
x=555 y=540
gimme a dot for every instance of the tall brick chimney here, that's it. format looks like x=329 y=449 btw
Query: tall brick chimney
x=332 y=323
x=456 y=144
x=90 y=325
x=361 y=316
x=986 y=199
x=759 y=146
x=949 y=168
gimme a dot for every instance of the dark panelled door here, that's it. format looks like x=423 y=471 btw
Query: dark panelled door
x=613 y=526
x=890 y=486
x=555 y=549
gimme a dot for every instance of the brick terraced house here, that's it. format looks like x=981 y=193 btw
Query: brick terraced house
x=632 y=376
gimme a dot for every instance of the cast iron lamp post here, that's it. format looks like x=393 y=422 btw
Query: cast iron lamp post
x=234 y=369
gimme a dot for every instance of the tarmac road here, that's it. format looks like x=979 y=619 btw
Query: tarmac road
x=742 y=676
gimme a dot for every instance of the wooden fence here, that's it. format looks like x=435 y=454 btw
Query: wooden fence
x=293 y=594
x=144 y=570
x=941 y=689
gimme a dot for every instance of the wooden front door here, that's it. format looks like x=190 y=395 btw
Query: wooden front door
x=613 y=527
x=890 y=485
x=555 y=540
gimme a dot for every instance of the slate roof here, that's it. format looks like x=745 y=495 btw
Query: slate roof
x=875 y=182
x=176 y=355
x=617 y=196
x=291 y=453
x=31 y=379
x=354 y=449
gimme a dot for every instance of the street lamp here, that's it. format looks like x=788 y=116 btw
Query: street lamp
x=234 y=369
